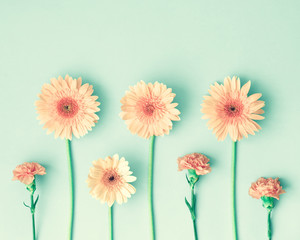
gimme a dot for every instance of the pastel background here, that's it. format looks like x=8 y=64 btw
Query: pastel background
x=187 y=45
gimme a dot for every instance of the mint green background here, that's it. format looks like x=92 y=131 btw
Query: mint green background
x=187 y=45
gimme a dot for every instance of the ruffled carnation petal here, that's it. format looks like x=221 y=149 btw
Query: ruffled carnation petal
x=195 y=161
x=26 y=172
x=266 y=187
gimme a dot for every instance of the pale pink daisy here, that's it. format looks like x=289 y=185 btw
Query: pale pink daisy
x=195 y=161
x=26 y=172
x=66 y=107
x=230 y=110
x=148 y=109
x=266 y=187
x=109 y=180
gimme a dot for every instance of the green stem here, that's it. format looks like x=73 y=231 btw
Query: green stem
x=233 y=175
x=32 y=208
x=111 y=227
x=193 y=203
x=150 y=186
x=269 y=225
x=71 y=181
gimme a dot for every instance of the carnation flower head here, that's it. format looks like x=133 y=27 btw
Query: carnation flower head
x=230 y=110
x=266 y=187
x=67 y=108
x=148 y=109
x=26 y=172
x=109 y=180
x=195 y=161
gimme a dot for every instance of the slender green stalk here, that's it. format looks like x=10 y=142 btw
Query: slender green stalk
x=71 y=181
x=233 y=175
x=150 y=186
x=111 y=226
x=32 y=208
x=269 y=225
x=193 y=203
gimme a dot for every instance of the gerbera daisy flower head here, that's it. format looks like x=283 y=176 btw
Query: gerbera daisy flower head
x=26 y=172
x=148 y=109
x=230 y=110
x=109 y=180
x=67 y=108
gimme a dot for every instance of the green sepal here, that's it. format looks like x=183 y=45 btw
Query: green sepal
x=192 y=177
x=31 y=187
x=268 y=202
x=191 y=209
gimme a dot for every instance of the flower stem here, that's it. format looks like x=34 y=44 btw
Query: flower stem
x=71 y=181
x=233 y=175
x=32 y=208
x=111 y=226
x=193 y=203
x=269 y=225
x=150 y=186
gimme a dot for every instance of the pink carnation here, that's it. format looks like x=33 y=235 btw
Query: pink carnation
x=196 y=161
x=266 y=187
x=25 y=172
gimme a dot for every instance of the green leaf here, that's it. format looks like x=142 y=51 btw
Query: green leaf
x=188 y=204
x=191 y=209
x=186 y=176
x=25 y=205
x=36 y=200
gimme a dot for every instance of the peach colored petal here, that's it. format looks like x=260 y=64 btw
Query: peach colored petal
x=148 y=109
x=196 y=161
x=266 y=187
x=67 y=108
x=26 y=172
x=108 y=180
x=230 y=111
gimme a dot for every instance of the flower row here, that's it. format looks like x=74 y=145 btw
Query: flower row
x=67 y=108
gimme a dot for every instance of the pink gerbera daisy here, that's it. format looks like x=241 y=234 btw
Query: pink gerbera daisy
x=148 y=109
x=66 y=107
x=230 y=110
x=109 y=178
